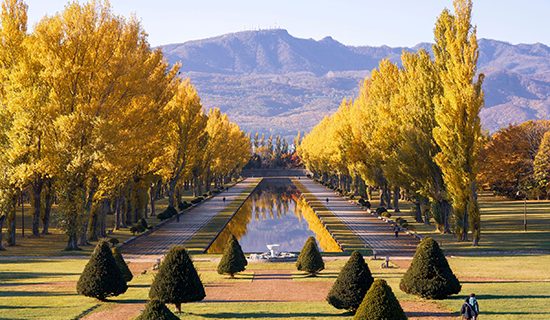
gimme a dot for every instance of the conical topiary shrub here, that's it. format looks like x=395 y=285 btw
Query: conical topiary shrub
x=122 y=266
x=101 y=277
x=380 y=304
x=233 y=259
x=310 y=259
x=352 y=284
x=177 y=281
x=156 y=310
x=429 y=275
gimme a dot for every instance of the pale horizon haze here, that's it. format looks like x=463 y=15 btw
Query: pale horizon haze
x=352 y=22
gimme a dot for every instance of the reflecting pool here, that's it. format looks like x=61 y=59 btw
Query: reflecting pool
x=275 y=213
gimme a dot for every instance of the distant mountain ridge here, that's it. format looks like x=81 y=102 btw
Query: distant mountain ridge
x=268 y=80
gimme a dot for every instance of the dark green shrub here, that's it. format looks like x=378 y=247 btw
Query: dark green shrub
x=167 y=213
x=380 y=304
x=137 y=228
x=156 y=310
x=183 y=205
x=197 y=200
x=101 y=277
x=310 y=259
x=352 y=284
x=233 y=259
x=386 y=214
x=177 y=281
x=143 y=223
x=113 y=241
x=122 y=266
x=429 y=275
x=381 y=210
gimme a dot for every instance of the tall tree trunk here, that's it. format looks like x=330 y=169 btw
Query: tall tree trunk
x=88 y=212
x=92 y=225
x=36 y=188
x=118 y=216
x=47 y=207
x=2 y=219
x=396 y=195
x=152 y=198
x=12 y=222
x=102 y=223
x=172 y=192
x=417 y=210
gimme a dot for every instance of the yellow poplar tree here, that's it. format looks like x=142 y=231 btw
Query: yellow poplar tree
x=13 y=33
x=184 y=128
x=458 y=130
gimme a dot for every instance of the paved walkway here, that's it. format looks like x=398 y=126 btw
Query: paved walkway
x=177 y=233
x=374 y=232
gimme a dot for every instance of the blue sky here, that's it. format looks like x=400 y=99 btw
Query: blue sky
x=352 y=22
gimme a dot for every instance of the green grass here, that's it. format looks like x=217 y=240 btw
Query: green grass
x=501 y=227
x=45 y=289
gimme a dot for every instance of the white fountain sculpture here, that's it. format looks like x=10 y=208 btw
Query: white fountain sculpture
x=270 y=247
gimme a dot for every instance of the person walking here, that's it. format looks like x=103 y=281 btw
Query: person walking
x=223 y=199
x=396 y=230
x=467 y=312
x=475 y=306
x=327 y=200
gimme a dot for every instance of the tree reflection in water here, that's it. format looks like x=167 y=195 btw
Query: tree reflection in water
x=275 y=213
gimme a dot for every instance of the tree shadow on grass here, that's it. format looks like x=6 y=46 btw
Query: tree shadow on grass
x=10 y=276
x=260 y=315
x=482 y=297
x=34 y=294
x=23 y=307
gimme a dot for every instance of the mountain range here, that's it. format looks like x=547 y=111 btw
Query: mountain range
x=272 y=82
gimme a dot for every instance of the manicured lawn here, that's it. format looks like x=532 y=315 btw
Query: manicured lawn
x=501 y=227
x=508 y=287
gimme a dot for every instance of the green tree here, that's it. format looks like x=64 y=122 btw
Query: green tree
x=101 y=277
x=353 y=282
x=177 y=281
x=380 y=304
x=233 y=259
x=122 y=266
x=156 y=310
x=458 y=130
x=430 y=275
x=310 y=259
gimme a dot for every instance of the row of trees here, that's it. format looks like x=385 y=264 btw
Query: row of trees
x=414 y=127
x=273 y=152
x=515 y=161
x=94 y=118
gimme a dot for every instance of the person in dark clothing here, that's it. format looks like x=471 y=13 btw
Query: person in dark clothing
x=396 y=230
x=467 y=312
x=475 y=306
x=327 y=200
x=223 y=199
x=178 y=217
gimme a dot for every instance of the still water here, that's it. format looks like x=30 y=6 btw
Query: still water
x=274 y=213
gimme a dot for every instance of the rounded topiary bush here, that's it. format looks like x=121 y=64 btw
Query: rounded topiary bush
x=177 y=281
x=310 y=259
x=156 y=310
x=380 y=304
x=122 y=266
x=430 y=275
x=352 y=284
x=167 y=213
x=101 y=277
x=233 y=259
